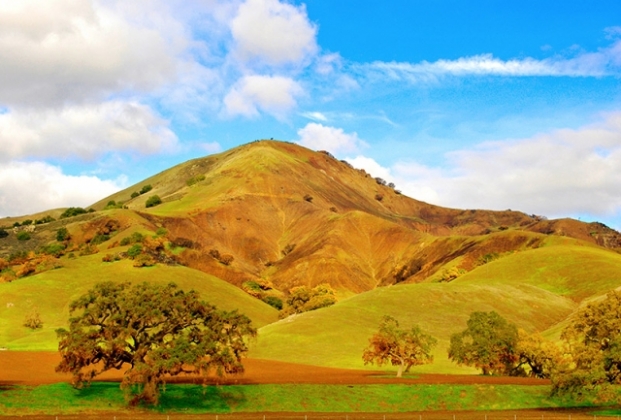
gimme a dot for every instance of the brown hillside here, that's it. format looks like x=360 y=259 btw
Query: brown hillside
x=289 y=216
x=293 y=216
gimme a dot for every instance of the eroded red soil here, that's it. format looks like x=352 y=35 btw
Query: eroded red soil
x=33 y=368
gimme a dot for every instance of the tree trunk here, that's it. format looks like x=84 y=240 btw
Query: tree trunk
x=400 y=370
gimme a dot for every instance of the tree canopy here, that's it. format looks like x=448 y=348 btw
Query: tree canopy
x=594 y=339
x=536 y=357
x=488 y=343
x=303 y=299
x=153 y=331
x=399 y=347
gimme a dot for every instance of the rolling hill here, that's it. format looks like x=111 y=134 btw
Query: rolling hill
x=278 y=215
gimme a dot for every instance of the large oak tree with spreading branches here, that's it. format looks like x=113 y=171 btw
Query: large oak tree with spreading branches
x=153 y=332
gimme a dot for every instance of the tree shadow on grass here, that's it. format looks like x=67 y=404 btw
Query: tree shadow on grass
x=186 y=398
x=198 y=398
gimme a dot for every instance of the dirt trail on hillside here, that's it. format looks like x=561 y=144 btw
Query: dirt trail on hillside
x=34 y=368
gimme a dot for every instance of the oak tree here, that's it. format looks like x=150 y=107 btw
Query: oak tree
x=594 y=340
x=488 y=343
x=536 y=357
x=152 y=332
x=399 y=347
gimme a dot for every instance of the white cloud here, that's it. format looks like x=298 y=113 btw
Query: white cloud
x=562 y=172
x=30 y=187
x=604 y=62
x=371 y=166
x=84 y=131
x=315 y=116
x=61 y=51
x=334 y=140
x=557 y=174
x=273 y=32
x=275 y=95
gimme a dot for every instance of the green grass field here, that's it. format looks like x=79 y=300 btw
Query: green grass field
x=52 y=291
x=195 y=399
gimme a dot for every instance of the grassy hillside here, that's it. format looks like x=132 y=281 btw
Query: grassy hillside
x=52 y=291
x=536 y=289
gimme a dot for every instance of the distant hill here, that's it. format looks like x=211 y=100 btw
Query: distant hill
x=276 y=215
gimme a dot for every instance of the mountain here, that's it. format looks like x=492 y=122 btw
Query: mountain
x=269 y=216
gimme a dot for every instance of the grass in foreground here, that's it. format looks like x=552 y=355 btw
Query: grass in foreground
x=195 y=399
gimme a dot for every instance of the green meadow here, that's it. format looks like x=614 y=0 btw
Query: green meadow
x=61 y=398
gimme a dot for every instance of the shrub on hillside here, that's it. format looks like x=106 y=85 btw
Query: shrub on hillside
x=225 y=259
x=135 y=194
x=88 y=250
x=62 y=234
x=146 y=189
x=73 y=211
x=134 y=251
x=99 y=238
x=3 y=233
x=144 y=260
x=113 y=205
x=304 y=299
x=194 y=180
x=153 y=201
x=273 y=301
x=55 y=249
x=23 y=236
x=46 y=219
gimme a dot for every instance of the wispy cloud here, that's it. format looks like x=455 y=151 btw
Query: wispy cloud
x=604 y=62
x=315 y=116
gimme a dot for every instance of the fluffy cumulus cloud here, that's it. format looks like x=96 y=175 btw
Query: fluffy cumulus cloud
x=334 y=140
x=275 y=95
x=552 y=173
x=61 y=51
x=557 y=174
x=273 y=32
x=30 y=187
x=84 y=131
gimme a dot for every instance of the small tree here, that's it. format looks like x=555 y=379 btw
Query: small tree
x=151 y=331
x=33 y=320
x=488 y=343
x=399 y=347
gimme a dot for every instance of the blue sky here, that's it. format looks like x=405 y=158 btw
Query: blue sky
x=477 y=104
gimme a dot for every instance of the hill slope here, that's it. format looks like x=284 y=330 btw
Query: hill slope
x=536 y=289
x=292 y=217
x=279 y=215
